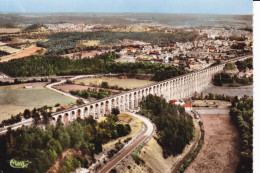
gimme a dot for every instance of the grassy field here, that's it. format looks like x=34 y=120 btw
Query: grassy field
x=114 y=81
x=15 y=98
x=214 y=103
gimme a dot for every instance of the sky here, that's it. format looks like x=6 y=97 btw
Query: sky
x=135 y=6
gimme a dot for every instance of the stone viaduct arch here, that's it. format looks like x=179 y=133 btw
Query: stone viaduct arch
x=180 y=87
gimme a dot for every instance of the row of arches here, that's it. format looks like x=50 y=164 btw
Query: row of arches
x=176 y=88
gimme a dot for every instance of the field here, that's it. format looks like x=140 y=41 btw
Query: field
x=15 y=98
x=114 y=81
x=134 y=123
x=70 y=87
x=211 y=103
x=82 y=55
x=27 y=52
x=231 y=91
x=9 y=30
x=91 y=42
x=220 y=151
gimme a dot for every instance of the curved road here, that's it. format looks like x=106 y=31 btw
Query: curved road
x=132 y=145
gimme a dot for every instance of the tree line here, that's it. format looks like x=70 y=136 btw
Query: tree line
x=102 y=93
x=42 y=147
x=175 y=127
x=46 y=66
x=241 y=113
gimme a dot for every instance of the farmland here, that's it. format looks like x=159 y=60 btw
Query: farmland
x=114 y=81
x=15 y=98
x=24 y=53
x=220 y=151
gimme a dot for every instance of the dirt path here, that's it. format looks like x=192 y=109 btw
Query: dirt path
x=220 y=151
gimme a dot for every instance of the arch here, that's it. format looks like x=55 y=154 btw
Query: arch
x=73 y=116
x=65 y=118
x=97 y=111
x=78 y=113
x=86 y=112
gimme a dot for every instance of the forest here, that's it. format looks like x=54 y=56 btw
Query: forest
x=46 y=66
x=241 y=113
x=60 y=42
x=42 y=147
x=175 y=127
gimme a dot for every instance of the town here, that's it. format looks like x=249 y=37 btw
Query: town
x=118 y=97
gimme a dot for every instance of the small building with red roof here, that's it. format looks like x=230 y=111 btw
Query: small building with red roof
x=187 y=107
x=154 y=52
x=173 y=101
x=28 y=86
x=122 y=77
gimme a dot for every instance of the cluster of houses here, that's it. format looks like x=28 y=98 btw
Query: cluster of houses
x=247 y=73
x=187 y=106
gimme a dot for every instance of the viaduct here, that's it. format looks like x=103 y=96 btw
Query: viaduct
x=180 y=87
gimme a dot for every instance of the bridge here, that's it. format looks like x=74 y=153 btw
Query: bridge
x=179 y=87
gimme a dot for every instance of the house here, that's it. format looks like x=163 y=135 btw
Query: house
x=28 y=86
x=173 y=101
x=122 y=77
x=63 y=107
x=154 y=52
x=211 y=50
x=187 y=107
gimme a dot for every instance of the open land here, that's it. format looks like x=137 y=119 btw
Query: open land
x=231 y=91
x=9 y=30
x=153 y=158
x=211 y=103
x=134 y=123
x=15 y=98
x=73 y=87
x=113 y=81
x=27 y=52
x=220 y=151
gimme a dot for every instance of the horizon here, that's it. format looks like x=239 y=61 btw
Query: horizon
x=240 y=7
x=124 y=13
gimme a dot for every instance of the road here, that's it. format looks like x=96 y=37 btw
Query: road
x=132 y=145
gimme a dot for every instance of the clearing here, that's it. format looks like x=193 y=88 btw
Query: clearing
x=9 y=30
x=115 y=81
x=221 y=148
x=15 y=98
x=73 y=87
x=231 y=91
x=211 y=103
x=24 y=53
x=134 y=123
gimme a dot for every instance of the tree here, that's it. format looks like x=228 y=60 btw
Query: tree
x=104 y=85
x=80 y=101
x=27 y=113
x=115 y=111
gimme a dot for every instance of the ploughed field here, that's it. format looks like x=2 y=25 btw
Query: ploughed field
x=115 y=81
x=220 y=151
x=15 y=99
x=231 y=91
